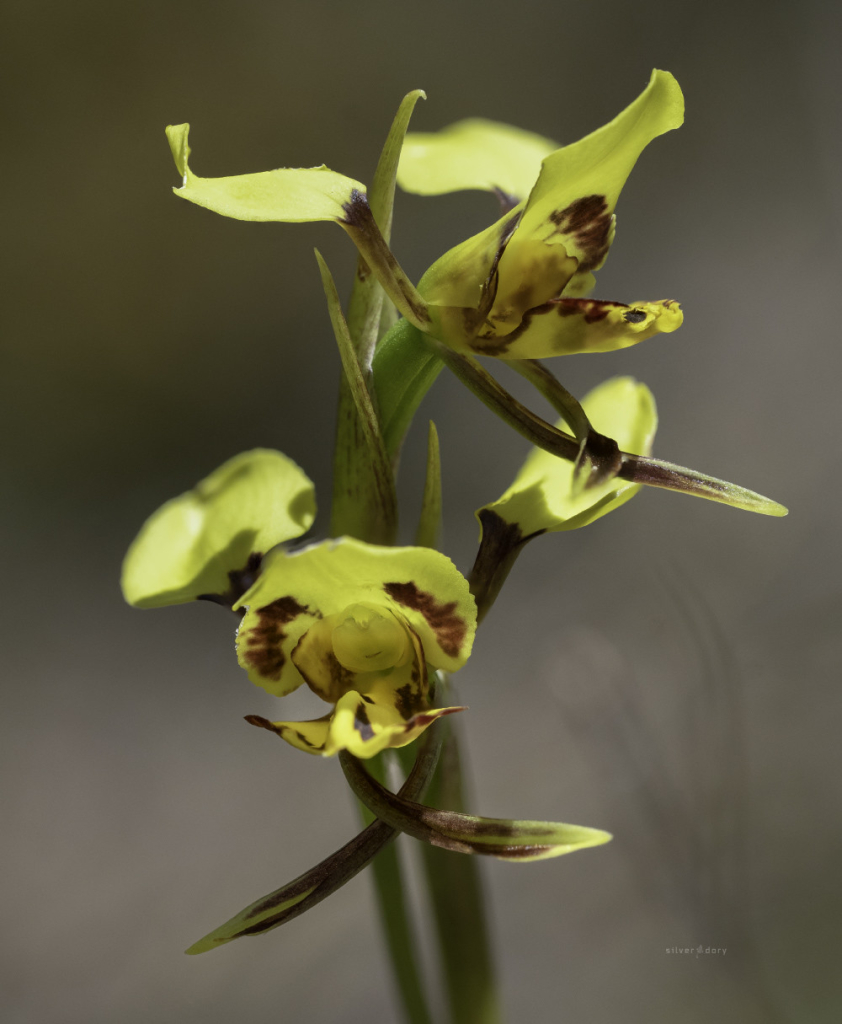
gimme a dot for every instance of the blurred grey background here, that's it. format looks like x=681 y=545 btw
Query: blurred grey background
x=670 y=673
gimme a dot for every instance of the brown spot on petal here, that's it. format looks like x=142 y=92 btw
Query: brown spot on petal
x=588 y=220
x=450 y=628
x=408 y=700
x=261 y=644
x=362 y=723
x=634 y=316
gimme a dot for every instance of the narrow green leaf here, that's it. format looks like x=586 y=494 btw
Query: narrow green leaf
x=381 y=194
x=465 y=833
x=367 y=508
x=366 y=309
x=473 y=154
x=388 y=318
x=304 y=892
x=429 y=525
x=366 y=303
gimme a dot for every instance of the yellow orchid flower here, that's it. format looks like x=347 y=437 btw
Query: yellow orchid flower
x=361 y=625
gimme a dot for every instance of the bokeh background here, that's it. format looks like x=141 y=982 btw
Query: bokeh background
x=671 y=673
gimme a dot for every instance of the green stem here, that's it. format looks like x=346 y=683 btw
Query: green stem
x=565 y=404
x=404 y=369
x=637 y=469
x=456 y=895
x=395 y=919
x=599 y=456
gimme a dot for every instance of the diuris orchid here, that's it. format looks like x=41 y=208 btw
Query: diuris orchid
x=514 y=290
x=373 y=629
x=362 y=625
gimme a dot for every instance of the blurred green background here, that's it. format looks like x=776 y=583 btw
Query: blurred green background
x=670 y=673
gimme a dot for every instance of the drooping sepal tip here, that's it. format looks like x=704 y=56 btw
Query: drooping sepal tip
x=177 y=135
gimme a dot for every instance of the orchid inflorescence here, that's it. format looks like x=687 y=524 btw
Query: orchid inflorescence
x=375 y=630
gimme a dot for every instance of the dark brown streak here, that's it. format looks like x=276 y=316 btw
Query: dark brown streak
x=507 y=200
x=475 y=317
x=641 y=470
x=450 y=628
x=591 y=310
x=408 y=701
x=588 y=220
x=360 y=224
x=634 y=316
x=362 y=723
x=434 y=826
x=262 y=648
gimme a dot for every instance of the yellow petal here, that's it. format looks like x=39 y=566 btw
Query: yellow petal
x=307 y=736
x=542 y=497
x=573 y=201
x=193 y=544
x=422 y=586
x=473 y=154
x=290 y=194
x=569 y=326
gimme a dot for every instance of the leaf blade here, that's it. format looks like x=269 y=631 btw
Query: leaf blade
x=365 y=506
